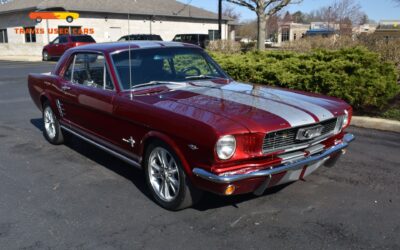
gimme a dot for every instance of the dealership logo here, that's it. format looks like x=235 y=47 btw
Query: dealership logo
x=38 y=16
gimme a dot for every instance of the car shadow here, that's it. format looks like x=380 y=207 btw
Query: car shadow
x=136 y=176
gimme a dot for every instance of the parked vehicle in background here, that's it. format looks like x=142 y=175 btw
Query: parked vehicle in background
x=269 y=43
x=140 y=37
x=201 y=40
x=169 y=109
x=58 y=46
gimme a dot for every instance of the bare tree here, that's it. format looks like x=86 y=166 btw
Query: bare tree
x=248 y=30
x=229 y=11
x=263 y=9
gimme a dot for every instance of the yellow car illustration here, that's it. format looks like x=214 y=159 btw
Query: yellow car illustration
x=40 y=15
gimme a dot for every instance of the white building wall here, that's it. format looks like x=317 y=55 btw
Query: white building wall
x=107 y=28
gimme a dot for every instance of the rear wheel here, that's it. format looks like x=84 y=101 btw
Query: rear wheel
x=167 y=180
x=70 y=19
x=52 y=130
x=38 y=20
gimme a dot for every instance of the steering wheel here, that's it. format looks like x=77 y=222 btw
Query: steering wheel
x=185 y=70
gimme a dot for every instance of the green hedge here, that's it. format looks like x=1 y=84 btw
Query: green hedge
x=355 y=75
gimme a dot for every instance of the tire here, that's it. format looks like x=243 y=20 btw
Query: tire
x=171 y=176
x=51 y=127
x=69 y=19
x=45 y=56
x=38 y=20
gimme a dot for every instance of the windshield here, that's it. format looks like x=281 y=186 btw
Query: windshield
x=164 y=65
x=82 y=39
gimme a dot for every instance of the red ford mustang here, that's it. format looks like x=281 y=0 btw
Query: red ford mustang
x=169 y=109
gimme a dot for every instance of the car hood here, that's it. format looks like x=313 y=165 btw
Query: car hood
x=256 y=107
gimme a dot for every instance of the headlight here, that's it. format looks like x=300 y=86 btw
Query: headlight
x=225 y=147
x=342 y=122
x=345 y=118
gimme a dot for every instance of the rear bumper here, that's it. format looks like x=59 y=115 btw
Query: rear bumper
x=321 y=157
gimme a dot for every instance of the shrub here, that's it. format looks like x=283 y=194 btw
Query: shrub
x=389 y=50
x=355 y=75
x=224 y=46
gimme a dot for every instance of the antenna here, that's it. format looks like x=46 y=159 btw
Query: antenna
x=129 y=53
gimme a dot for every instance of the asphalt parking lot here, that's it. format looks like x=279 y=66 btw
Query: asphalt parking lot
x=75 y=196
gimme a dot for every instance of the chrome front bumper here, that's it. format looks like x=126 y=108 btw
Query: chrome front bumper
x=226 y=179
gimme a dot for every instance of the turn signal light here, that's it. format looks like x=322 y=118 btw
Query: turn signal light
x=230 y=190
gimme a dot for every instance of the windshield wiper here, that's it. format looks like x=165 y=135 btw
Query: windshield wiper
x=153 y=83
x=200 y=77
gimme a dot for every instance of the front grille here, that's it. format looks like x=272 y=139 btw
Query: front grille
x=286 y=139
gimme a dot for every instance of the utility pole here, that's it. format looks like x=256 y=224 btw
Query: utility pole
x=220 y=18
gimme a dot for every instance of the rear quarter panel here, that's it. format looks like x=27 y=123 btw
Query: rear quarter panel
x=42 y=86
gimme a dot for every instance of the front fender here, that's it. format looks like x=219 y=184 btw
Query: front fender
x=171 y=142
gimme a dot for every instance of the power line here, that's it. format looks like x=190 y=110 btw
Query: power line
x=183 y=8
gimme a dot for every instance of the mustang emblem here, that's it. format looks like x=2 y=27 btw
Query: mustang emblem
x=130 y=140
x=309 y=133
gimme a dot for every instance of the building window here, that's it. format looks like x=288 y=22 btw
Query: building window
x=70 y=30
x=3 y=36
x=30 y=35
x=214 y=35
x=285 y=34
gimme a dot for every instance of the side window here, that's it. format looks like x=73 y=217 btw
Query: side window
x=56 y=41
x=89 y=70
x=63 y=39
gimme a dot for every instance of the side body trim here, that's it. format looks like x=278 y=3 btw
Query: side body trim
x=108 y=150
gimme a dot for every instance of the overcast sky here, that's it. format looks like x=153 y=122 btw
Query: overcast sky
x=376 y=9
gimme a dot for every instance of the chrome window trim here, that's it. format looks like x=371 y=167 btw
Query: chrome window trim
x=73 y=69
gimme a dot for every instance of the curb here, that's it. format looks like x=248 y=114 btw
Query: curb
x=376 y=123
x=21 y=58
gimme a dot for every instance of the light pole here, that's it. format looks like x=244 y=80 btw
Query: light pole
x=329 y=17
x=220 y=18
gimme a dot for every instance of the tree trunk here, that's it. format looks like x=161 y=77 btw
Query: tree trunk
x=262 y=23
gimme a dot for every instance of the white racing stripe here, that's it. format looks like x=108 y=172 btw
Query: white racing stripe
x=294 y=116
x=282 y=96
x=290 y=98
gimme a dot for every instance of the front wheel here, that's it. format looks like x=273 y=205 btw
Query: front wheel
x=52 y=130
x=70 y=19
x=167 y=180
x=46 y=56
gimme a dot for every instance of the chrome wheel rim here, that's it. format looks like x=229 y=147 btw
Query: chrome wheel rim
x=45 y=55
x=163 y=174
x=49 y=123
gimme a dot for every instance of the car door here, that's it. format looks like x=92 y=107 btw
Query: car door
x=62 y=46
x=53 y=46
x=89 y=94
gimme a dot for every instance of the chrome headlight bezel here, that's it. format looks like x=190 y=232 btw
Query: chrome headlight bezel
x=342 y=122
x=345 y=119
x=225 y=147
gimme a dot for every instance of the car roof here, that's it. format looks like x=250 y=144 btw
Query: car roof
x=116 y=46
x=192 y=34
x=142 y=35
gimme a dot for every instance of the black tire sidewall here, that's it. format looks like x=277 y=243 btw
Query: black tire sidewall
x=69 y=19
x=183 y=189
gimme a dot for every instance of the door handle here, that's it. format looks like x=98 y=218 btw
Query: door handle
x=65 y=88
